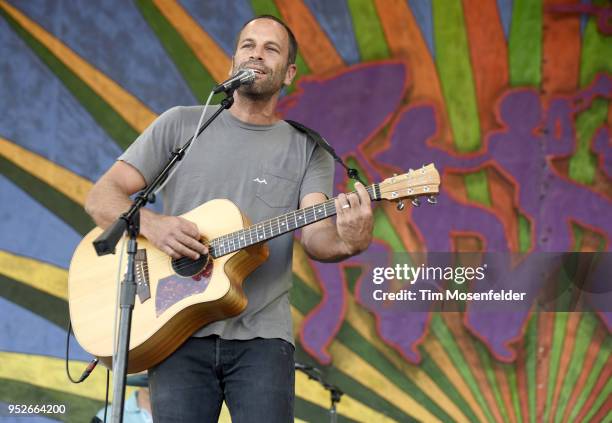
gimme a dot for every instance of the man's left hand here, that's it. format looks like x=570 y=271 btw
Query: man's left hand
x=355 y=219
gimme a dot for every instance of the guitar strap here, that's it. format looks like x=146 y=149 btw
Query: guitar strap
x=322 y=142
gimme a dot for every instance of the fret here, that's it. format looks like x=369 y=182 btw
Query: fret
x=279 y=225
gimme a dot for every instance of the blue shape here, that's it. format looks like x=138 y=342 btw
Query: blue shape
x=335 y=19
x=221 y=20
x=113 y=36
x=40 y=114
x=505 y=13
x=423 y=14
x=26 y=332
x=30 y=230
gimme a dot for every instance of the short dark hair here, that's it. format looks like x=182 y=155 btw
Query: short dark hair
x=293 y=45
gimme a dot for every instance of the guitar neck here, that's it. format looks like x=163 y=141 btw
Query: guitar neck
x=268 y=229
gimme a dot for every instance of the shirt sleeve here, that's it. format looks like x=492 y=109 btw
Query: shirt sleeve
x=319 y=175
x=151 y=150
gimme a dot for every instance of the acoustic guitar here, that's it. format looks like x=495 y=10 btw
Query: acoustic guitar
x=176 y=297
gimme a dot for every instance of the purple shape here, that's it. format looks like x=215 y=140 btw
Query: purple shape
x=356 y=103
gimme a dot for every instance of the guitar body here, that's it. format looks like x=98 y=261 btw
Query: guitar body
x=177 y=305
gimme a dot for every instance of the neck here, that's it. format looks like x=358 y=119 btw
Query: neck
x=255 y=111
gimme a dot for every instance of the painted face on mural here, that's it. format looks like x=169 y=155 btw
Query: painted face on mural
x=264 y=47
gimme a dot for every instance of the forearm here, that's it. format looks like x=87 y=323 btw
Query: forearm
x=325 y=245
x=106 y=202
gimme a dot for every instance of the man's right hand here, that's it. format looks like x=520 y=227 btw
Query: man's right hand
x=174 y=235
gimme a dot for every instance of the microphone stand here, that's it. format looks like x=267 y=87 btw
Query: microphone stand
x=106 y=243
x=334 y=392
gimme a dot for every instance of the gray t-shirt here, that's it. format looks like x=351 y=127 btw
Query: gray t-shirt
x=265 y=170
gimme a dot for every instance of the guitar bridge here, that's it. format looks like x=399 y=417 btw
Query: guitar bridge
x=142 y=276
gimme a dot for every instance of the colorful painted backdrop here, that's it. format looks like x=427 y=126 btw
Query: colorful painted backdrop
x=509 y=98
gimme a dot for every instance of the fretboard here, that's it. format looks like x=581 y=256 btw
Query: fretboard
x=277 y=226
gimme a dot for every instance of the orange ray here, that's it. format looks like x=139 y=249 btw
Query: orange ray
x=504 y=388
x=489 y=57
x=560 y=50
x=317 y=50
x=603 y=379
x=406 y=42
x=203 y=46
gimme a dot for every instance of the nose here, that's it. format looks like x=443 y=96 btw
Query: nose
x=257 y=53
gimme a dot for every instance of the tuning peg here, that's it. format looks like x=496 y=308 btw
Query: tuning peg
x=432 y=199
x=400 y=205
x=416 y=202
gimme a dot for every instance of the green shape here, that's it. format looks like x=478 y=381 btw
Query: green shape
x=78 y=408
x=531 y=353
x=556 y=349
x=368 y=30
x=525 y=43
x=477 y=186
x=454 y=68
x=583 y=164
x=268 y=7
x=514 y=390
x=524 y=233
x=598 y=367
x=195 y=74
x=604 y=396
x=56 y=202
x=487 y=366
x=596 y=50
x=584 y=337
x=446 y=338
x=352 y=274
x=108 y=119
x=47 y=306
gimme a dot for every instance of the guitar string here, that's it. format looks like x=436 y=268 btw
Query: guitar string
x=307 y=212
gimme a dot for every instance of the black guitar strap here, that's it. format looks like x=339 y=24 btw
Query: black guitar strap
x=317 y=138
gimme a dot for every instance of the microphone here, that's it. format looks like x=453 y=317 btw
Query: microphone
x=241 y=77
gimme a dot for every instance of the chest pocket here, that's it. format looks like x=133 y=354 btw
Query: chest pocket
x=277 y=187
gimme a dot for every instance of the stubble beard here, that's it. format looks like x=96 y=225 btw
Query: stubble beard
x=263 y=89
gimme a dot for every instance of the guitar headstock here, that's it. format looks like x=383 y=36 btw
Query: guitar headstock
x=413 y=184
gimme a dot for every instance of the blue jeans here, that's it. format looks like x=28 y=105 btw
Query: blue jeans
x=256 y=378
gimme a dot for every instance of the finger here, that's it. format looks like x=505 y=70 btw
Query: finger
x=353 y=200
x=168 y=250
x=183 y=250
x=364 y=197
x=342 y=204
x=192 y=244
x=190 y=228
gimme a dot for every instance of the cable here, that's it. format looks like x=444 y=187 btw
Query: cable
x=92 y=364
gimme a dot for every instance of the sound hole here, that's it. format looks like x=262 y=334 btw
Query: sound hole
x=187 y=267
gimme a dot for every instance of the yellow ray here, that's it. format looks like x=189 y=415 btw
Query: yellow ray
x=43 y=276
x=132 y=110
x=204 y=47
x=49 y=373
x=63 y=180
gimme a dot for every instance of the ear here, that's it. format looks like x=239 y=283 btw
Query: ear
x=290 y=74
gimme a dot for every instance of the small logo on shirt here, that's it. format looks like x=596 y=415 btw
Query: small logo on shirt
x=261 y=181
